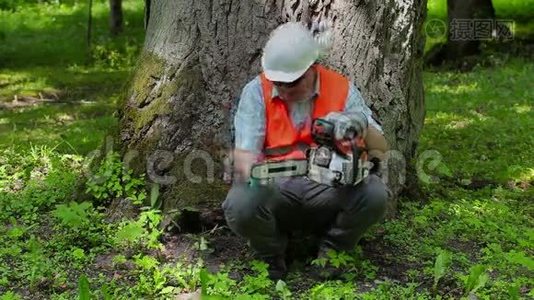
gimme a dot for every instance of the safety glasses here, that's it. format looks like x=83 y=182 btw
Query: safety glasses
x=288 y=84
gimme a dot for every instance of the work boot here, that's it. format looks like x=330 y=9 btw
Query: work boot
x=322 y=269
x=276 y=266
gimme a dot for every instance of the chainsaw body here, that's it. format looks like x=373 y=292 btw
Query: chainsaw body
x=330 y=162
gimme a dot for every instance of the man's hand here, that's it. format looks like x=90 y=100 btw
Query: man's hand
x=347 y=125
x=243 y=161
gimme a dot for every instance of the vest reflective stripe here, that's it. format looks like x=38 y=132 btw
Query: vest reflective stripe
x=280 y=132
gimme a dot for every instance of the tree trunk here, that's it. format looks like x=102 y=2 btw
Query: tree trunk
x=115 y=16
x=468 y=23
x=199 y=54
x=464 y=16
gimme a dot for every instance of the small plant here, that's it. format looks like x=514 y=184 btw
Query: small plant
x=441 y=265
x=476 y=279
x=257 y=284
x=188 y=276
x=84 y=291
x=335 y=258
x=219 y=284
x=10 y=296
x=332 y=290
x=146 y=262
x=340 y=259
x=113 y=180
x=282 y=290
x=144 y=230
x=353 y=263
x=36 y=262
x=74 y=215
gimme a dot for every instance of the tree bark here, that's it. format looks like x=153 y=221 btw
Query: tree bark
x=115 y=16
x=198 y=55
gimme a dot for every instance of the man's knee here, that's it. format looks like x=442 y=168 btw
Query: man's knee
x=243 y=204
x=374 y=195
x=239 y=205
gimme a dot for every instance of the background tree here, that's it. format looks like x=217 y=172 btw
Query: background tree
x=198 y=55
x=468 y=23
x=115 y=16
x=458 y=10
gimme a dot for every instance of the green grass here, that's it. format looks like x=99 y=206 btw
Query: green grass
x=47 y=57
x=471 y=228
x=477 y=210
x=485 y=119
x=28 y=39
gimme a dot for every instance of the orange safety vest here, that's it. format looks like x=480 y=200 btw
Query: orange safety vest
x=282 y=140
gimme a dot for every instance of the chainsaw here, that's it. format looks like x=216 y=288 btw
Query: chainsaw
x=330 y=162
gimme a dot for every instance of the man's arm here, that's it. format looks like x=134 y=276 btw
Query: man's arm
x=249 y=124
x=243 y=161
x=376 y=143
x=374 y=138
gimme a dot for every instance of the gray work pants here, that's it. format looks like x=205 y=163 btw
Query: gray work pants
x=264 y=215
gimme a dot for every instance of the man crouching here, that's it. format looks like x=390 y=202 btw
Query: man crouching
x=275 y=123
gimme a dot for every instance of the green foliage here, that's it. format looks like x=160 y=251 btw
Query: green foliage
x=143 y=232
x=108 y=54
x=353 y=263
x=282 y=290
x=260 y=282
x=113 y=180
x=60 y=37
x=10 y=296
x=12 y=5
x=155 y=279
x=81 y=225
x=84 y=292
x=476 y=279
x=219 y=284
x=130 y=232
x=74 y=215
x=443 y=261
x=155 y=201
x=390 y=290
x=82 y=84
x=332 y=290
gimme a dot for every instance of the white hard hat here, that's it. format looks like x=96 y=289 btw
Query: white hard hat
x=289 y=52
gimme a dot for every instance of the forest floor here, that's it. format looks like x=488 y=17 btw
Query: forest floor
x=470 y=233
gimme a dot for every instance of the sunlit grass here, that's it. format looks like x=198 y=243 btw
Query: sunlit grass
x=484 y=131
x=454 y=89
x=27 y=38
x=58 y=83
x=44 y=55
